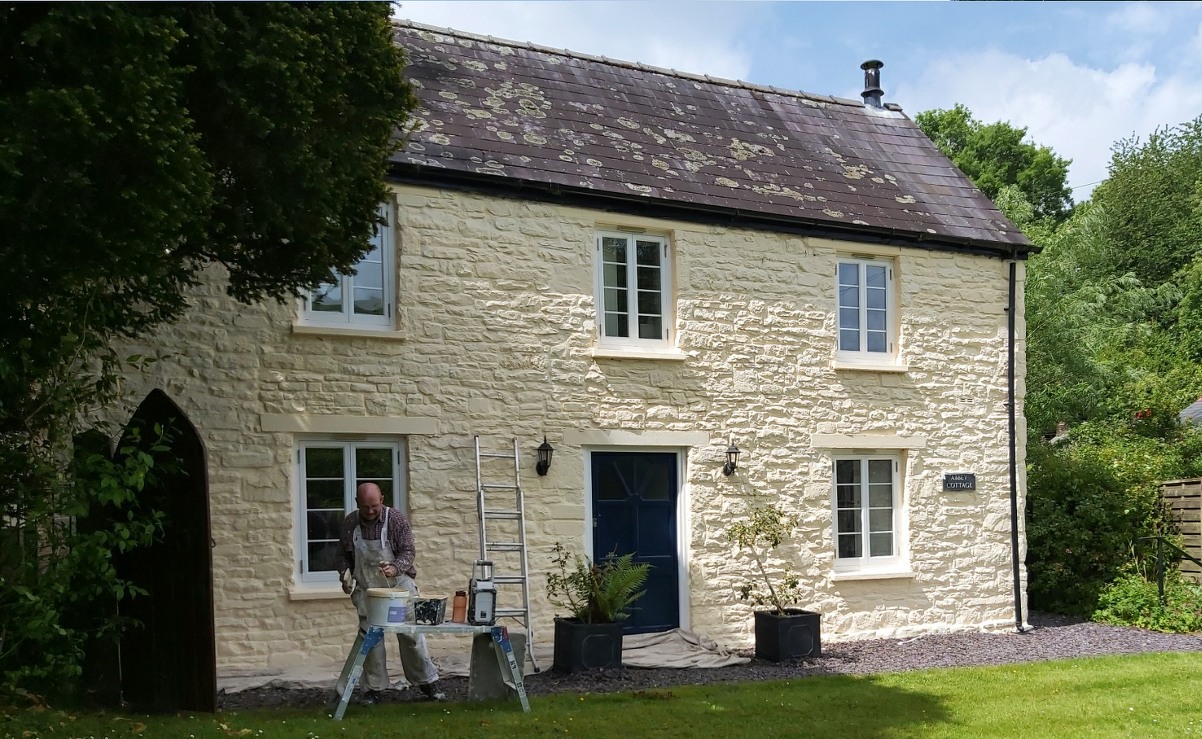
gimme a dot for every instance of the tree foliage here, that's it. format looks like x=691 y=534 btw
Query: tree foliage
x=1153 y=202
x=1114 y=339
x=1113 y=306
x=995 y=155
x=143 y=144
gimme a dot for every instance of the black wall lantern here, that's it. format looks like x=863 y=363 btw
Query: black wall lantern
x=732 y=459
x=545 y=451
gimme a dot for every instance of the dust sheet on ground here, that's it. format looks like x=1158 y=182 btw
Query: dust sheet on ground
x=677 y=648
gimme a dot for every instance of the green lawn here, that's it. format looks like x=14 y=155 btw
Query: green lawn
x=1136 y=696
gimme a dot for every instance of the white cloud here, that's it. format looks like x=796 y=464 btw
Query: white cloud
x=1077 y=110
x=1141 y=18
x=661 y=34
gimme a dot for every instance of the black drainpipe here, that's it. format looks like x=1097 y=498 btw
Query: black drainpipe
x=1011 y=309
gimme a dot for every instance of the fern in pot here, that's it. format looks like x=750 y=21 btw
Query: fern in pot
x=598 y=597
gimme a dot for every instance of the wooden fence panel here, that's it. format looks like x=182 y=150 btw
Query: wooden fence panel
x=1184 y=501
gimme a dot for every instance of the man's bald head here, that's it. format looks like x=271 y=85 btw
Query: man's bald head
x=370 y=501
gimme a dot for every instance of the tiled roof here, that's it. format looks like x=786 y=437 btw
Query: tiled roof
x=1192 y=413
x=569 y=122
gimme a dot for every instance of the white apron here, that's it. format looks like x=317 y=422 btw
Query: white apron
x=415 y=661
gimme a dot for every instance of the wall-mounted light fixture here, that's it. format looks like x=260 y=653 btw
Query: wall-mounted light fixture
x=545 y=451
x=732 y=459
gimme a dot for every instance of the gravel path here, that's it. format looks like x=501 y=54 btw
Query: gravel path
x=1054 y=637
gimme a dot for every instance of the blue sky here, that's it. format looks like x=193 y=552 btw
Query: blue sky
x=1078 y=76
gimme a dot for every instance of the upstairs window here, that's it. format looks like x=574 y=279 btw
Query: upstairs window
x=866 y=312
x=633 y=291
x=364 y=299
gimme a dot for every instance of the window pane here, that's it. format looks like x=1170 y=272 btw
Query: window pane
x=849 y=318
x=880 y=470
x=649 y=303
x=849 y=274
x=847 y=471
x=849 y=297
x=373 y=465
x=648 y=278
x=648 y=253
x=849 y=340
x=880 y=496
x=847 y=496
x=615 y=300
x=325 y=525
x=877 y=341
x=325 y=494
x=880 y=545
x=613 y=249
x=876 y=298
x=880 y=520
x=651 y=327
x=874 y=276
x=369 y=272
x=615 y=325
x=615 y=275
x=323 y=556
x=369 y=301
x=849 y=546
x=327 y=298
x=849 y=521
x=323 y=462
x=876 y=320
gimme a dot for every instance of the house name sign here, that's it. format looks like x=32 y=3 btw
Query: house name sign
x=954 y=481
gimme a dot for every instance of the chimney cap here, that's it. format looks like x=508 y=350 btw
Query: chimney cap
x=872 y=83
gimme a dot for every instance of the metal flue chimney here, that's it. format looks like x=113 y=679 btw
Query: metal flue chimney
x=872 y=83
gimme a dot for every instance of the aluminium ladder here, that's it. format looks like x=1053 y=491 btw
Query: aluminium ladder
x=514 y=543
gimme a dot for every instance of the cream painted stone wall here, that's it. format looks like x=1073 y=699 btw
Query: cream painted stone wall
x=495 y=336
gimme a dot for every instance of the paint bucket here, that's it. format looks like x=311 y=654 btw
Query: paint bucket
x=388 y=607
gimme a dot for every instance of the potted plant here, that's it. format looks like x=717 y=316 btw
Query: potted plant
x=781 y=632
x=598 y=597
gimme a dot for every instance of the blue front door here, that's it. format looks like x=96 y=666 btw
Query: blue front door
x=634 y=510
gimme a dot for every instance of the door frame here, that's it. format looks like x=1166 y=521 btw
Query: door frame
x=682 y=519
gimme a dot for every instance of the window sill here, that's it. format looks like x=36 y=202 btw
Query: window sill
x=872 y=575
x=313 y=329
x=869 y=367
x=668 y=355
x=316 y=592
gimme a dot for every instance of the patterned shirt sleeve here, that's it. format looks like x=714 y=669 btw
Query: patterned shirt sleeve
x=400 y=540
x=346 y=544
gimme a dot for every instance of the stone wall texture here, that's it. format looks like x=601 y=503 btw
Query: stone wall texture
x=495 y=337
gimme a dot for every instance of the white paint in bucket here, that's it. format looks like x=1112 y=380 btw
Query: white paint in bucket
x=388 y=607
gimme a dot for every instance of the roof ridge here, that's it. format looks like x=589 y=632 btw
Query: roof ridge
x=828 y=99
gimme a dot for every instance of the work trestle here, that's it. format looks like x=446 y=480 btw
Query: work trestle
x=352 y=670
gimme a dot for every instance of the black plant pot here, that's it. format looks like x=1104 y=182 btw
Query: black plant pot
x=796 y=634
x=580 y=646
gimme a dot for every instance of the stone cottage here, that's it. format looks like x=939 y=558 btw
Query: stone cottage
x=644 y=267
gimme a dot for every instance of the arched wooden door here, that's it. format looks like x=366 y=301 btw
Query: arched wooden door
x=170 y=662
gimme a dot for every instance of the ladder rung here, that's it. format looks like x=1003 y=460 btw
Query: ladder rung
x=498 y=487
x=497 y=455
x=498 y=513
x=504 y=546
x=510 y=613
x=509 y=579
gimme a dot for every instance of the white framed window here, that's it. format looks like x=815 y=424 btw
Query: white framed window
x=634 y=291
x=329 y=471
x=868 y=515
x=866 y=310
x=366 y=298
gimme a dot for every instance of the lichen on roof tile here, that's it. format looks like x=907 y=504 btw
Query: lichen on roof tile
x=722 y=143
